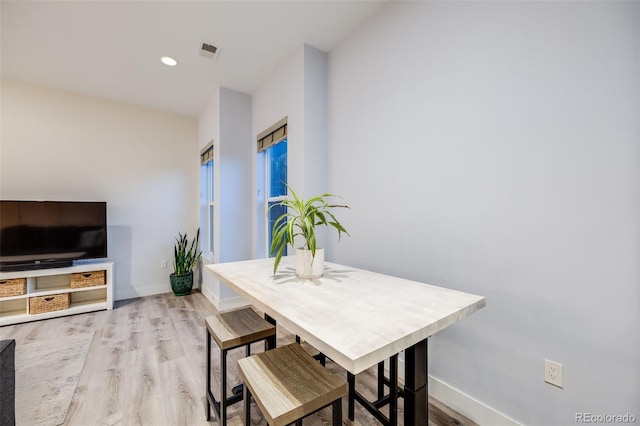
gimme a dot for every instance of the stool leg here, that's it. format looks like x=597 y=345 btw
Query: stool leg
x=337 y=412
x=223 y=390
x=208 y=376
x=247 y=406
x=323 y=359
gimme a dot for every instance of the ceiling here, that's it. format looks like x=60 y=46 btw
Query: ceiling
x=112 y=49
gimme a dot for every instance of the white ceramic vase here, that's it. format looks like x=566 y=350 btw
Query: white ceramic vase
x=308 y=266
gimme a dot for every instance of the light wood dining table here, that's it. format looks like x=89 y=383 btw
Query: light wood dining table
x=358 y=319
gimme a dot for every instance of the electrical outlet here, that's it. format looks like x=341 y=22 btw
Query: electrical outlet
x=163 y=264
x=553 y=373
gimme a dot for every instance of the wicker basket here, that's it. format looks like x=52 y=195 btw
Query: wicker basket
x=13 y=287
x=54 y=302
x=88 y=279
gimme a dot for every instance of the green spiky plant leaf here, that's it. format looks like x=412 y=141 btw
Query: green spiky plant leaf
x=301 y=218
x=186 y=255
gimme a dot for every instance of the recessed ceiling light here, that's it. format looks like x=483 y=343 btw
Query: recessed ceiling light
x=168 y=60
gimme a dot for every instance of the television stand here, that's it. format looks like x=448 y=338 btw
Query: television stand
x=31 y=295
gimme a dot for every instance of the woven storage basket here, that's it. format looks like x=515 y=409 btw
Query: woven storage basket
x=54 y=302
x=88 y=279
x=13 y=287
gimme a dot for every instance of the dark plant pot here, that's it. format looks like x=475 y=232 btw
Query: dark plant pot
x=181 y=284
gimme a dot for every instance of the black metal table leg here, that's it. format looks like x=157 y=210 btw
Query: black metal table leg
x=380 y=380
x=351 y=383
x=393 y=391
x=416 y=409
x=270 y=342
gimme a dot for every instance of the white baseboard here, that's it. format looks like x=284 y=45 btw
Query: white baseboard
x=132 y=293
x=461 y=402
x=224 y=304
x=467 y=406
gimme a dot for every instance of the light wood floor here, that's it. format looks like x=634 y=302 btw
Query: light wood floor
x=146 y=366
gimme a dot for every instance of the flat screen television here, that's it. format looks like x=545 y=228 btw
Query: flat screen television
x=50 y=234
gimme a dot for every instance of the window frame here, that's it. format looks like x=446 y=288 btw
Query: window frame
x=268 y=199
x=266 y=140
x=207 y=181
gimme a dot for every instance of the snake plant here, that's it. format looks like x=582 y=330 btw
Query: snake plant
x=185 y=255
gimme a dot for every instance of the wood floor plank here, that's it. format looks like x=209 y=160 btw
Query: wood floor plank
x=185 y=392
x=144 y=384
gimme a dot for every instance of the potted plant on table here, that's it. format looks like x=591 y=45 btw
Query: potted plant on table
x=185 y=258
x=300 y=219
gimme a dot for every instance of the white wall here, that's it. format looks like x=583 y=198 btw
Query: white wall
x=281 y=95
x=234 y=181
x=315 y=122
x=209 y=120
x=227 y=121
x=296 y=90
x=58 y=145
x=492 y=147
x=208 y=131
x=234 y=184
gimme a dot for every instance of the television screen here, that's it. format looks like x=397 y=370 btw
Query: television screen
x=43 y=234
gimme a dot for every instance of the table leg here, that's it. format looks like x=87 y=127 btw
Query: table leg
x=393 y=391
x=351 y=384
x=270 y=342
x=416 y=407
x=380 y=380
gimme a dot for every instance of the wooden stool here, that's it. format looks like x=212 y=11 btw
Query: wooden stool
x=232 y=330
x=288 y=385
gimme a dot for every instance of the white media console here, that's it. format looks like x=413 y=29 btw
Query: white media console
x=50 y=293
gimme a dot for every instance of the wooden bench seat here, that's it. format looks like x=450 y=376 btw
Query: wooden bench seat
x=288 y=385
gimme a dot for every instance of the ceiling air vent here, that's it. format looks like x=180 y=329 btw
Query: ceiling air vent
x=209 y=51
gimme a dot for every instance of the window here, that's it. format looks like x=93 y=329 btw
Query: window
x=272 y=148
x=276 y=167
x=206 y=199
